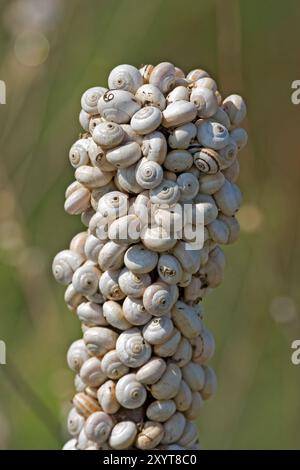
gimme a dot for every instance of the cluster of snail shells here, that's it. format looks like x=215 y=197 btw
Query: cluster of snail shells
x=154 y=139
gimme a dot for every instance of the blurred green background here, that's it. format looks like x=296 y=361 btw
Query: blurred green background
x=50 y=52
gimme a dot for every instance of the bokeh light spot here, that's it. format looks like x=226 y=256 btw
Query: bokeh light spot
x=31 y=48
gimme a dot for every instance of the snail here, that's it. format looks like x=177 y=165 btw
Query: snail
x=123 y=435
x=78 y=154
x=91 y=372
x=106 y=395
x=113 y=313
x=75 y=422
x=203 y=347
x=125 y=180
x=85 y=405
x=90 y=98
x=135 y=312
x=99 y=340
x=154 y=147
x=232 y=172
x=205 y=82
x=118 y=106
x=146 y=120
x=139 y=260
x=178 y=161
x=188 y=185
x=145 y=71
x=72 y=297
x=108 y=134
x=169 y=269
x=77 y=243
x=157 y=299
x=211 y=183
x=184 y=352
x=150 y=95
x=92 y=177
x=152 y=371
x=179 y=93
x=207 y=160
x=98 y=427
x=240 y=137
x=189 y=435
x=173 y=428
x=111 y=256
x=125 y=77
x=112 y=365
x=186 y=320
x=86 y=278
x=161 y=410
x=132 y=349
x=183 y=399
x=194 y=376
x=169 y=347
x=168 y=385
x=167 y=192
x=92 y=247
x=188 y=257
x=163 y=76
x=129 y=392
x=196 y=74
x=125 y=155
x=109 y=285
x=77 y=354
x=205 y=101
x=181 y=136
x=132 y=284
x=64 y=265
x=84 y=120
x=150 y=435
x=158 y=330
x=91 y=313
x=210 y=383
x=212 y=134
x=149 y=174
x=228 y=198
x=178 y=113
x=235 y=107
x=97 y=156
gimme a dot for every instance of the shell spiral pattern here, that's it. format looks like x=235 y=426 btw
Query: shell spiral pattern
x=158 y=146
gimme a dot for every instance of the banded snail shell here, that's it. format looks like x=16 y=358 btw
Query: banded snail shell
x=163 y=76
x=148 y=174
x=210 y=383
x=107 y=397
x=91 y=372
x=65 y=264
x=194 y=375
x=169 y=269
x=183 y=353
x=129 y=392
x=98 y=427
x=173 y=428
x=157 y=299
x=124 y=155
x=91 y=313
x=194 y=410
x=188 y=185
x=99 y=340
x=132 y=349
x=207 y=161
x=112 y=366
x=85 y=405
x=139 y=260
x=118 y=106
x=125 y=180
x=90 y=98
x=146 y=120
x=85 y=279
x=154 y=147
x=132 y=284
x=186 y=320
x=168 y=385
x=150 y=435
x=181 y=137
x=212 y=134
x=158 y=330
x=75 y=422
x=150 y=95
x=168 y=348
x=152 y=371
x=178 y=113
x=78 y=154
x=92 y=177
x=111 y=256
x=135 y=312
x=77 y=354
x=167 y=192
x=178 y=161
x=109 y=285
x=125 y=77
x=108 y=134
x=183 y=398
x=123 y=435
x=161 y=410
x=114 y=315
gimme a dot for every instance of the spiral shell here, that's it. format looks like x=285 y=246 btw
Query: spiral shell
x=210 y=383
x=108 y=134
x=228 y=198
x=77 y=354
x=129 y=392
x=132 y=349
x=240 y=137
x=207 y=160
x=146 y=120
x=90 y=98
x=178 y=113
x=188 y=185
x=112 y=366
x=163 y=76
x=149 y=174
x=173 y=428
x=157 y=299
x=212 y=134
x=106 y=395
x=235 y=107
x=91 y=372
x=167 y=192
x=158 y=330
x=85 y=279
x=84 y=120
x=161 y=410
x=132 y=284
x=169 y=347
x=114 y=315
x=78 y=200
x=124 y=155
x=194 y=376
x=152 y=371
x=99 y=340
x=179 y=93
x=75 y=422
x=178 y=161
x=85 y=405
x=154 y=147
x=118 y=106
x=150 y=436
x=92 y=177
x=181 y=137
x=64 y=265
x=183 y=398
x=189 y=435
x=98 y=427
x=205 y=101
x=125 y=180
x=168 y=385
x=184 y=352
x=169 y=269
x=139 y=260
x=135 y=312
x=78 y=154
x=150 y=95
x=123 y=435
x=125 y=77
x=109 y=285
x=111 y=256
x=91 y=313
x=186 y=319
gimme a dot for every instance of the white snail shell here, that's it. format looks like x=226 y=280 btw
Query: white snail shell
x=218 y=231
x=113 y=205
x=178 y=113
x=125 y=155
x=75 y=422
x=112 y=366
x=77 y=201
x=78 y=242
x=77 y=354
x=169 y=269
x=125 y=230
x=211 y=183
x=118 y=106
x=98 y=159
x=90 y=98
x=78 y=154
x=227 y=154
x=195 y=408
x=109 y=285
x=161 y=410
x=146 y=120
x=123 y=435
x=168 y=385
x=132 y=349
x=210 y=383
x=91 y=372
x=65 y=264
x=179 y=93
x=125 y=180
x=92 y=177
x=106 y=395
x=91 y=313
x=150 y=435
x=96 y=194
x=189 y=258
x=212 y=134
x=125 y=77
x=84 y=120
x=163 y=76
x=72 y=297
x=135 y=312
x=232 y=172
x=111 y=256
x=169 y=347
x=157 y=299
x=181 y=137
x=240 y=136
x=150 y=95
x=129 y=392
x=235 y=107
x=206 y=206
x=205 y=101
x=99 y=340
x=222 y=117
x=178 y=161
x=194 y=376
x=203 y=347
x=186 y=319
x=173 y=428
x=183 y=353
x=152 y=371
x=167 y=192
x=154 y=147
x=158 y=330
x=132 y=284
x=233 y=226
x=196 y=74
x=85 y=279
x=139 y=260
x=205 y=82
x=189 y=435
x=228 y=198
x=183 y=398
x=114 y=315
x=108 y=134
x=92 y=248
x=188 y=185
x=149 y=174
x=98 y=427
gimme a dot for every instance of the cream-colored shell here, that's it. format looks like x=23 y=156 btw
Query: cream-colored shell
x=181 y=137
x=183 y=399
x=168 y=348
x=157 y=299
x=135 y=312
x=146 y=120
x=163 y=77
x=125 y=77
x=78 y=154
x=168 y=385
x=90 y=98
x=100 y=340
x=125 y=180
x=189 y=435
x=108 y=134
x=152 y=371
x=132 y=348
x=92 y=177
x=129 y=392
x=106 y=395
x=149 y=174
x=139 y=260
x=113 y=313
x=183 y=353
x=85 y=405
x=75 y=422
x=86 y=278
x=118 y=106
x=98 y=427
x=161 y=410
x=178 y=113
x=173 y=428
x=64 y=265
x=186 y=319
x=77 y=354
x=150 y=435
x=194 y=375
x=178 y=161
x=150 y=95
x=194 y=410
x=91 y=372
x=133 y=285
x=158 y=330
x=123 y=435
x=112 y=366
x=154 y=147
x=109 y=286
x=124 y=155
x=111 y=256
x=169 y=269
